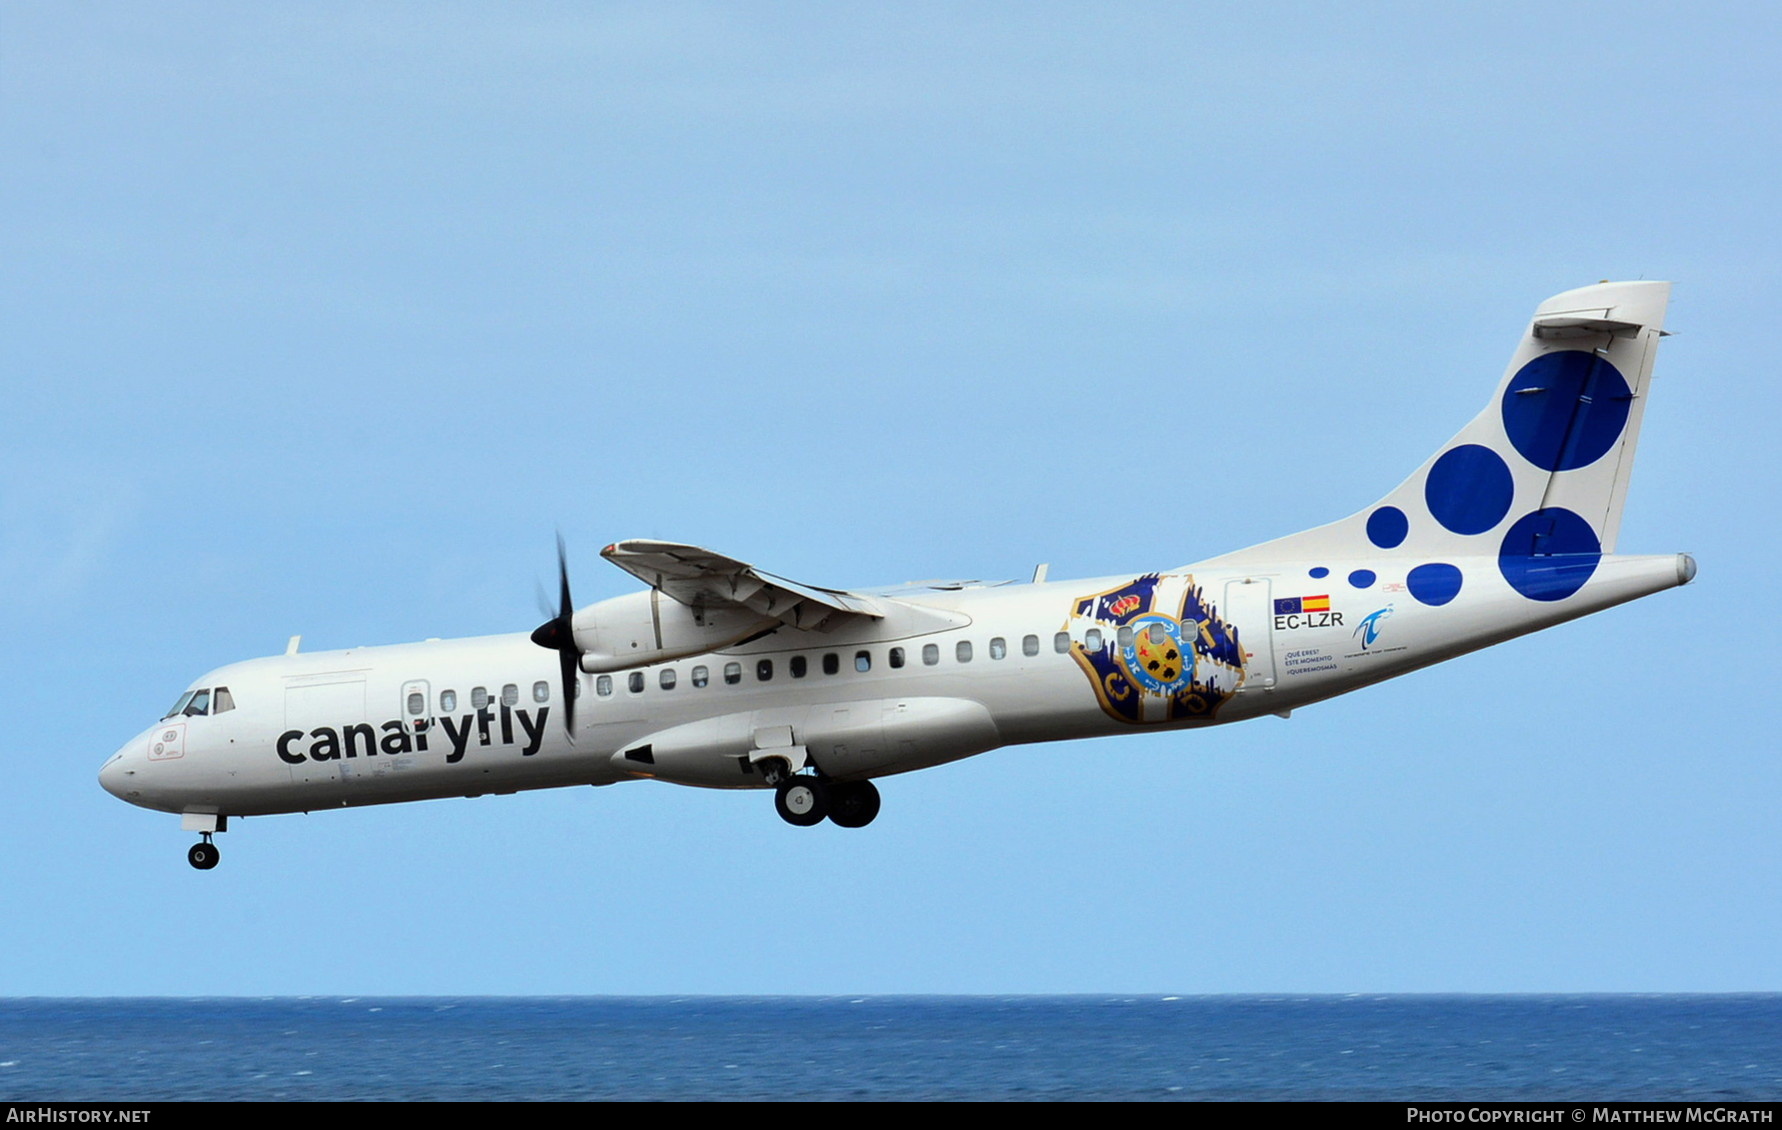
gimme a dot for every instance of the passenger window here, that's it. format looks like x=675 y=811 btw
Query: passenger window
x=1030 y=646
x=863 y=661
x=930 y=654
x=896 y=657
x=448 y=701
x=999 y=648
x=798 y=666
x=1061 y=643
x=1124 y=635
x=701 y=676
x=635 y=682
x=667 y=678
x=541 y=691
x=510 y=695
x=733 y=673
x=222 y=702
x=764 y=670
x=603 y=686
x=200 y=705
x=479 y=698
x=417 y=703
x=1092 y=639
x=1156 y=634
x=831 y=663
x=962 y=651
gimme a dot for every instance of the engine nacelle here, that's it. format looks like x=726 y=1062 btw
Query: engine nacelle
x=646 y=627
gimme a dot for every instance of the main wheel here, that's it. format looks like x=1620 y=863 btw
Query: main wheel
x=802 y=801
x=853 y=805
x=203 y=856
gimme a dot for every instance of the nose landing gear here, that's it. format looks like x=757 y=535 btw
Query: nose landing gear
x=204 y=856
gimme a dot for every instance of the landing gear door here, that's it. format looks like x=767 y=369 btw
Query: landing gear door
x=417 y=706
x=1249 y=604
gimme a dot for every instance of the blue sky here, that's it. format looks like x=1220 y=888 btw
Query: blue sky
x=323 y=319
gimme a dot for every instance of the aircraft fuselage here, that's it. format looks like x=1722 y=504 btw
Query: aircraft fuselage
x=1014 y=664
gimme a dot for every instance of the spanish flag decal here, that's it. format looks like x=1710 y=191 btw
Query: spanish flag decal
x=1288 y=605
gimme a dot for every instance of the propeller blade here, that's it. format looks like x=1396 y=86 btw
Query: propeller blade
x=565 y=609
x=567 y=662
x=558 y=635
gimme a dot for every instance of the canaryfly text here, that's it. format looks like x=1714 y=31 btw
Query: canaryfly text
x=332 y=743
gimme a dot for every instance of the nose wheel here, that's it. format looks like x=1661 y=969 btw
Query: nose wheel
x=204 y=856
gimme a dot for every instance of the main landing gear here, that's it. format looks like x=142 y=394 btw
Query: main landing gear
x=805 y=801
x=204 y=856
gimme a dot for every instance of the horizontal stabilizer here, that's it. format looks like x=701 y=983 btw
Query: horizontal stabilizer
x=1557 y=327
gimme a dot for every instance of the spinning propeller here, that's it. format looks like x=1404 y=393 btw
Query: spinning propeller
x=558 y=634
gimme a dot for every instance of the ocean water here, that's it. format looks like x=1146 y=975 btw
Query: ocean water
x=1618 y=1047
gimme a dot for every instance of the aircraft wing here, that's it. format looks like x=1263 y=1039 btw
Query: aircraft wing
x=700 y=578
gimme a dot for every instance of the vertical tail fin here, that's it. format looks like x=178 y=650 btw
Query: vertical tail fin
x=1543 y=470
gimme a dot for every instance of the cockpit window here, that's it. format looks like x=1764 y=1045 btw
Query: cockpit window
x=194 y=704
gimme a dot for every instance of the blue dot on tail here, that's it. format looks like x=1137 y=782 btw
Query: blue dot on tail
x=1469 y=489
x=1549 y=554
x=1565 y=410
x=1436 y=583
x=1387 y=527
x=1362 y=578
x=1319 y=573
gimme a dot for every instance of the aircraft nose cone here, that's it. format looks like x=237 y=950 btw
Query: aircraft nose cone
x=118 y=775
x=111 y=776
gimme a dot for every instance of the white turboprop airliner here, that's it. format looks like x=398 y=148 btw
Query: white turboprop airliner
x=725 y=676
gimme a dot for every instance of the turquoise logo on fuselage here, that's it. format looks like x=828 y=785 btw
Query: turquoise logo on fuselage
x=1369 y=629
